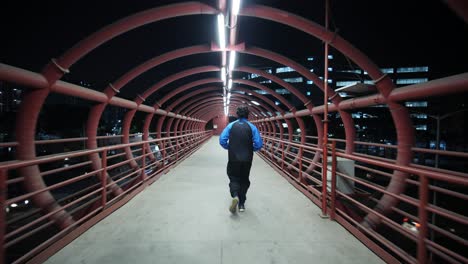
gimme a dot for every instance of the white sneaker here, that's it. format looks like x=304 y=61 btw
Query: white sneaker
x=234 y=203
x=241 y=208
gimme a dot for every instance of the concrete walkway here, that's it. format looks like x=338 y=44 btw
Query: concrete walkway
x=184 y=218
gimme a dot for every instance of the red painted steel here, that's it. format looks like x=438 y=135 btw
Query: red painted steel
x=399 y=114
x=298 y=168
x=325 y=119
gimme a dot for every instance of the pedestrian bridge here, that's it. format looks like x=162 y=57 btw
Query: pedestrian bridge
x=184 y=218
x=128 y=169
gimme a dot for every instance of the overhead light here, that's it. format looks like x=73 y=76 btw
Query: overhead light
x=229 y=96
x=232 y=60
x=221 y=32
x=14 y=205
x=255 y=102
x=223 y=75
x=230 y=84
x=235 y=7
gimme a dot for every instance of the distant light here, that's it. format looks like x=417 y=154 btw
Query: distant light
x=249 y=93
x=67 y=158
x=310 y=58
x=285 y=125
x=223 y=74
x=9 y=149
x=330 y=57
x=14 y=205
x=26 y=201
x=308 y=93
x=235 y=7
x=119 y=121
x=277 y=103
x=230 y=84
x=255 y=102
x=221 y=32
x=330 y=69
x=232 y=60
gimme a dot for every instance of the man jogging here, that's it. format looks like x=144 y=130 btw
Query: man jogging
x=241 y=138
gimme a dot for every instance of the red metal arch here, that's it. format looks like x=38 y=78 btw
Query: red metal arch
x=400 y=115
x=401 y=119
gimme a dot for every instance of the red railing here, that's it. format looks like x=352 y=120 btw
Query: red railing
x=84 y=194
x=409 y=233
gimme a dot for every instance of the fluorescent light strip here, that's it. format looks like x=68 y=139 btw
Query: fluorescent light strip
x=235 y=7
x=221 y=32
x=223 y=75
x=230 y=84
x=232 y=60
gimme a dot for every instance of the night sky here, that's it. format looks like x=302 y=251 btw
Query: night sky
x=392 y=33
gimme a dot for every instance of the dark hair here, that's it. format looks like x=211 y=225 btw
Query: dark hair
x=242 y=111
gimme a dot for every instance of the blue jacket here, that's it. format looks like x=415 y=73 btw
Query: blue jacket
x=226 y=135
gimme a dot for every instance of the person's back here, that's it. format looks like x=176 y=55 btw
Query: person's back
x=241 y=138
x=240 y=142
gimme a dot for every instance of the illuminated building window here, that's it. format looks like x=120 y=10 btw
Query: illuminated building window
x=282 y=91
x=308 y=93
x=351 y=71
x=416 y=104
x=411 y=81
x=330 y=69
x=310 y=82
x=420 y=127
x=387 y=70
x=261 y=91
x=293 y=80
x=345 y=83
x=284 y=69
x=310 y=58
x=266 y=81
x=330 y=57
x=268 y=71
x=413 y=69
x=419 y=116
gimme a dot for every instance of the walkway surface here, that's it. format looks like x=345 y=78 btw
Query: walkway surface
x=183 y=218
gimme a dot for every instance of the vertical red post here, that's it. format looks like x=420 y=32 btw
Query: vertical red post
x=325 y=122
x=104 y=179
x=422 y=214
x=143 y=162
x=282 y=155
x=177 y=148
x=300 y=164
x=3 y=197
x=163 y=150
x=333 y=182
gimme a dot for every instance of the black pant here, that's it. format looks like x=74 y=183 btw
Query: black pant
x=238 y=172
